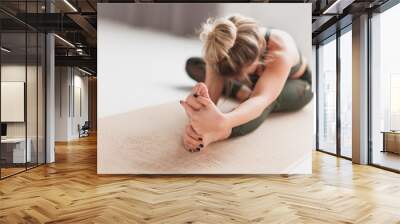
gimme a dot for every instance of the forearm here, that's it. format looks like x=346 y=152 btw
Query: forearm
x=247 y=111
x=266 y=91
x=214 y=90
x=215 y=85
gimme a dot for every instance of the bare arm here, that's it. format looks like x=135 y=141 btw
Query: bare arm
x=267 y=89
x=215 y=84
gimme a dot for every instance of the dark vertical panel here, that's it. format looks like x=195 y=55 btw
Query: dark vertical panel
x=37 y=91
x=73 y=91
x=1 y=163
x=45 y=90
x=317 y=94
x=369 y=90
x=69 y=92
x=338 y=93
x=92 y=100
x=26 y=86
x=42 y=99
x=60 y=75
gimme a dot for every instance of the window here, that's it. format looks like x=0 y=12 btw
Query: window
x=328 y=110
x=385 y=89
x=346 y=93
x=327 y=96
x=22 y=101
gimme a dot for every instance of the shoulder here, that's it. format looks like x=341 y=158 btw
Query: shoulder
x=281 y=39
x=278 y=59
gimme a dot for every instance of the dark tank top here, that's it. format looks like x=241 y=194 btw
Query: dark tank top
x=293 y=69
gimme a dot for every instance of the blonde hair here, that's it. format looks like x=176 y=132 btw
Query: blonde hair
x=230 y=43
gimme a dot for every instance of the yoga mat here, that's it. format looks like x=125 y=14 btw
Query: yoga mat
x=149 y=141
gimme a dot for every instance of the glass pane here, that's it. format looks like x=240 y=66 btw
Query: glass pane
x=41 y=98
x=23 y=90
x=327 y=97
x=13 y=86
x=346 y=94
x=386 y=89
x=31 y=100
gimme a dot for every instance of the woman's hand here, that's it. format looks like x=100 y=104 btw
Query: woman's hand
x=208 y=118
x=207 y=123
x=200 y=89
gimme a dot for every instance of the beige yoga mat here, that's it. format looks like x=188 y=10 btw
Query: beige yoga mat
x=148 y=141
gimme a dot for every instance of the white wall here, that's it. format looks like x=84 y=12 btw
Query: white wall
x=68 y=81
x=80 y=83
x=15 y=72
x=61 y=103
x=139 y=67
x=293 y=18
x=12 y=100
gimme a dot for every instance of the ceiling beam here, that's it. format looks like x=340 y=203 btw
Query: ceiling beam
x=86 y=26
x=337 y=6
x=83 y=61
x=319 y=23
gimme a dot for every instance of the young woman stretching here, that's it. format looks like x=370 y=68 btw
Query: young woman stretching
x=261 y=68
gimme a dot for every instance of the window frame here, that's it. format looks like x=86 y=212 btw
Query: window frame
x=334 y=37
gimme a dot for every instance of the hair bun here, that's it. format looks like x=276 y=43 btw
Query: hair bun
x=218 y=36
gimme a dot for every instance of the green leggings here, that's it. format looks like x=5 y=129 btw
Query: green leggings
x=295 y=95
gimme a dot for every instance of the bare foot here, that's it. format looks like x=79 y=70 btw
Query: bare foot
x=194 y=142
x=212 y=137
